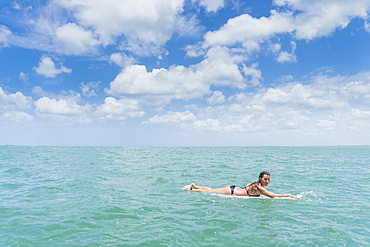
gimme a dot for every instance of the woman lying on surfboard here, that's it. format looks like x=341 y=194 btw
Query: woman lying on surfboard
x=253 y=189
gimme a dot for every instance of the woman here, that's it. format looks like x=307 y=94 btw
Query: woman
x=253 y=189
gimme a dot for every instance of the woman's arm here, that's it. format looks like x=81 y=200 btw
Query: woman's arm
x=272 y=195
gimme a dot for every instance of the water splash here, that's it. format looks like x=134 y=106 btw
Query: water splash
x=311 y=196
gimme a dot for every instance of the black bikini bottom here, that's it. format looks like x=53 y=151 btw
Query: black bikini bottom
x=232 y=187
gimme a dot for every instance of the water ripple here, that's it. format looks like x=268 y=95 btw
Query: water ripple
x=114 y=196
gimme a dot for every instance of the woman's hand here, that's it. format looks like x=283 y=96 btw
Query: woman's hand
x=296 y=197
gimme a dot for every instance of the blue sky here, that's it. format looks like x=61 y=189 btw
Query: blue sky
x=185 y=73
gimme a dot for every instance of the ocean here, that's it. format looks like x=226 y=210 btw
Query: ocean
x=131 y=196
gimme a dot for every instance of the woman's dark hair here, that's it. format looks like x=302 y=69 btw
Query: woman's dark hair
x=258 y=181
x=263 y=174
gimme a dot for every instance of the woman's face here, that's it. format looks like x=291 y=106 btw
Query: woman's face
x=265 y=180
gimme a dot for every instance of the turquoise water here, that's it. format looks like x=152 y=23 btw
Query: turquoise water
x=123 y=196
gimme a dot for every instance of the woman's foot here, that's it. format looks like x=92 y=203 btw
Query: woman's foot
x=186 y=187
x=189 y=187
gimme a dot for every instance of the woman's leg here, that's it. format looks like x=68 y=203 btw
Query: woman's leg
x=197 y=188
x=225 y=190
x=193 y=187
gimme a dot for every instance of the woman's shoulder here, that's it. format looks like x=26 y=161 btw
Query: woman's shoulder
x=259 y=187
x=253 y=183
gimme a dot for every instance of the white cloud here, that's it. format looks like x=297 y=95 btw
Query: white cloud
x=122 y=59
x=303 y=19
x=233 y=110
x=311 y=96
x=285 y=78
x=120 y=109
x=5 y=36
x=23 y=76
x=37 y=90
x=247 y=117
x=326 y=123
x=88 y=90
x=286 y=56
x=208 y=124
x=216 y=98
x=254 y=74
x=275 y=47
x=188 y=26
x=72 y=39
x=367 y=26
x=194 y=50
x=276 y=96
x=47 y=68
x=141 y=27
x=179 y=82
x=220 y=68
x=172 y=117
x=249 y=31
x=238 y=97
x=64 y=108
x=145 y=24
x=357 y=113
x=71 y=109
x=11 y=102
x=16 y=6
x=212 y=5
x=357 y=89
x=320 y=18
x=135 y=80
x=321 y=104
x=16 y=117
